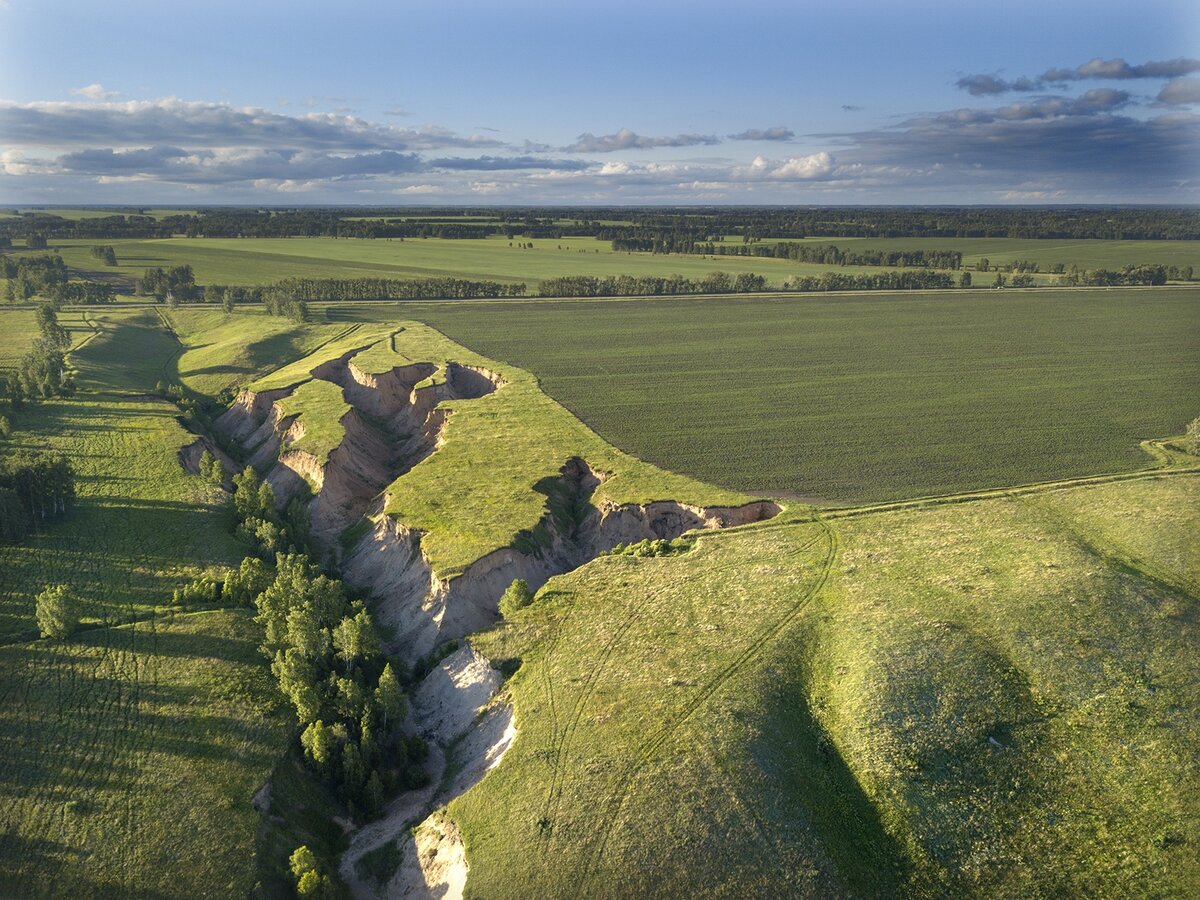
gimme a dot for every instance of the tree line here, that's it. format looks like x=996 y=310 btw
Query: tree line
x=47 y=276
x=832 y=255
x=670 y=227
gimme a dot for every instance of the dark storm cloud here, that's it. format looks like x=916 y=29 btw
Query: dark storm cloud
x=1101 y=148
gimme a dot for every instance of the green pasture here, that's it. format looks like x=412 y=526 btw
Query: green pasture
x=132 y=755
x=948 y=701
x=857 y=397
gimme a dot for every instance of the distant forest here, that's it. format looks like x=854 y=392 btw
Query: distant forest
x=652 y=229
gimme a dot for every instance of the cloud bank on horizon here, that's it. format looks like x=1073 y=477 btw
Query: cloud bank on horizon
x=1109 y=129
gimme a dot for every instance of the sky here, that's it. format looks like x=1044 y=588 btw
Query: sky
x=598 y=103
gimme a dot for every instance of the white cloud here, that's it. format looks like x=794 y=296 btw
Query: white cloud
x=95 y=91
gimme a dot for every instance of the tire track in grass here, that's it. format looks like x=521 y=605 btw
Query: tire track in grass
x=647 y=751
x=558 y=773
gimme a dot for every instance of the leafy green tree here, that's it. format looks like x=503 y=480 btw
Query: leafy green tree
x=355 y=639
x=57 y=612
x=52 y=332
x=1193 y=437
x=305 y=633
x=319 y=745
x=517 y=596
x=249 y=580
x=965 y=280
x=390 y=699
x=246 y=501
x=298 y=681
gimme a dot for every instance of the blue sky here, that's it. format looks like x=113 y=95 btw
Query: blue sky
x=620 y=102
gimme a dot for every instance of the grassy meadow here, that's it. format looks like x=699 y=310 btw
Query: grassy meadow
x=857 y=398
x=906 y=703
x=132 y=751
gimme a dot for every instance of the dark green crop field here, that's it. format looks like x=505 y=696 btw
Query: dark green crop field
x=859 y=397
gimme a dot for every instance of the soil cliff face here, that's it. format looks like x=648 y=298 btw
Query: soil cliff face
x=421 y=609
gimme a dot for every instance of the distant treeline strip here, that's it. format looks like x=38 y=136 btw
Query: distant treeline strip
x=312 y=290
x=671 y=229
x=745 y=283
x=832 y=255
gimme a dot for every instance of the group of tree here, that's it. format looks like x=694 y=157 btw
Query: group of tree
x=106 y=253
x=260 y=522
x=327 y=659
x=32 y=276
x=1129 y=275
x=35 y=488
x=651 y=285
x=654 y=229
x=42 y=372
x=174 y=285
x=905 y=280
x=832 y=255
x=743 y=283
x=312 y=290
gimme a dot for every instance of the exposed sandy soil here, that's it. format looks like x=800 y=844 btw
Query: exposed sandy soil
x=457 y=711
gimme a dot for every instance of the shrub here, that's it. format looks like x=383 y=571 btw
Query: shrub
x=57 y=612
x=518 y=596
x=1192 y=440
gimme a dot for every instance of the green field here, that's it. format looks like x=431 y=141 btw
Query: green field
x=132 y=751
x=958 y=697
x=946 y=701
x=131 y=757
x=858 y=397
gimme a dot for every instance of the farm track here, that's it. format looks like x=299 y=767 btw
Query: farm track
x=649 y=748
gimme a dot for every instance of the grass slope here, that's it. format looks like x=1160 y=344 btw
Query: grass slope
x=859 y=397
x=224 y=351
x=131 y=757
x=947 y=701
x=132 y=752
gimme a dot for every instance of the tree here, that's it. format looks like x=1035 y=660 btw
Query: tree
x=303 y=860
x=318 y=743
x=355 y=638
x=298 y=682
x=305 y=633
x=57 y=613
x=1193 y=437
x=390 y=699
x=246 y=498
x=965 y=280
x=983 y=265
x=517 y=596
x=52 y=332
